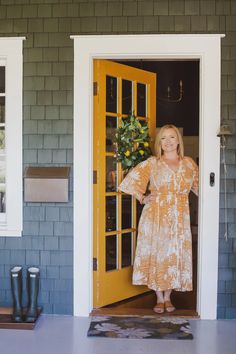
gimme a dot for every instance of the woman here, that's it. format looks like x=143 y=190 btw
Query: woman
x=163 y=258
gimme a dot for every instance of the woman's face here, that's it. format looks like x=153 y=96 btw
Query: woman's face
x=169 y=140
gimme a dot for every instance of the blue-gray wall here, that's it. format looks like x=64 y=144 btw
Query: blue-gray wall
x=47 y=239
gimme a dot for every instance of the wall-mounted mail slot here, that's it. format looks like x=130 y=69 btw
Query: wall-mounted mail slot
x=46 y=184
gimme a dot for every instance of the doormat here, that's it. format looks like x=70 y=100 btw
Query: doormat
x=140 y=327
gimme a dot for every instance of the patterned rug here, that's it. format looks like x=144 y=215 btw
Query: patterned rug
x=142 y=327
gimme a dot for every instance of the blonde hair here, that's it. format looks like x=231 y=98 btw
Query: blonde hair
x=157 y=145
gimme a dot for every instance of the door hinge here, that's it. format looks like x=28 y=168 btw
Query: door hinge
x=95 y=88
x=95 y=177
x=95 y=264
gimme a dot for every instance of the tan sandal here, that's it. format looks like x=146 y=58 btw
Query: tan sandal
x=169 y=307
x=159 y=307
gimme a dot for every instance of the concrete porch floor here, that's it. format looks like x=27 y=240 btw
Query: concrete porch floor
x=68 y=335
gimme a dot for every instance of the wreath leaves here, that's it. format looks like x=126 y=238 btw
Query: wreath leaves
x=132 y=142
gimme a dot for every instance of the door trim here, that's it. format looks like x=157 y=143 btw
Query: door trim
x=207 y=49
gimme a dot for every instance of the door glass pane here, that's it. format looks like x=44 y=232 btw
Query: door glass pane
x=141 y=100
x=2 y=183
x=111 y=252
x=110 y=213
x=126 y=250
x=2 y=199
x=2 y=169
x=2 y=109
x=126 y=97
x=111 y=125
x=143 y=122
x=139 y=208
x=111 y=174
x=126 y=211
x=2 y=140
x=2 y=79
x=111 y=94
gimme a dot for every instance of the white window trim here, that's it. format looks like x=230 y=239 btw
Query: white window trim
x=11 y=54
x=207 y=49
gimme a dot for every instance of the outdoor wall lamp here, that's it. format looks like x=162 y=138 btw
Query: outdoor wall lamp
x=224 y=132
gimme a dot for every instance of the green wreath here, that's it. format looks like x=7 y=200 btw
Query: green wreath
x=132 y=142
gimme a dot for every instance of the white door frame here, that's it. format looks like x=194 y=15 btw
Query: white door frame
x=207 y=49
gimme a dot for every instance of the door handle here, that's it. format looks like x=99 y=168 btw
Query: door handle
x=212 y=179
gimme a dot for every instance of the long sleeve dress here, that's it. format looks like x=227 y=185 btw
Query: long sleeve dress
x=163 y=257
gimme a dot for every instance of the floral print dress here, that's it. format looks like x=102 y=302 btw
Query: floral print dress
x=164 y=248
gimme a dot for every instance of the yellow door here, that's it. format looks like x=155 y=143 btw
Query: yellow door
x=118 y=90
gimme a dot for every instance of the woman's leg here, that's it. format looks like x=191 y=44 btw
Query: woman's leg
x=160 y=296
x=159 y=308
x=168 y=305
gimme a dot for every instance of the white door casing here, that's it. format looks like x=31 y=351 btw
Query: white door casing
x=11 y=57
x=204 y=47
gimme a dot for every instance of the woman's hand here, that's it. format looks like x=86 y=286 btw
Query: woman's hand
x=148 y=199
